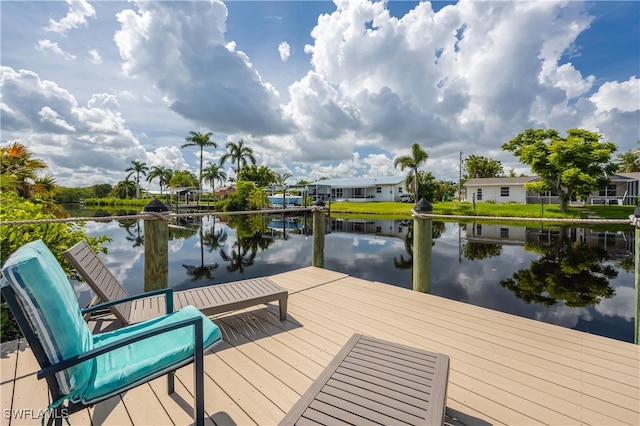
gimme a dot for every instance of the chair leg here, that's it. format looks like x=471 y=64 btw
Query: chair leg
x=198 y=369
x=283 y=309
x=171 y=380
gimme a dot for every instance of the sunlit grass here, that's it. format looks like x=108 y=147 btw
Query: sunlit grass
x=398 y=210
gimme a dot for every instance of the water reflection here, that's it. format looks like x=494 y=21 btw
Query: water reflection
x=577 y=278
x=569 y=271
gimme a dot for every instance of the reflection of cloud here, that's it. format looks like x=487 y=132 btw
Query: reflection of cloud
x=621 y=305
x=176 y=245
x=564 y=316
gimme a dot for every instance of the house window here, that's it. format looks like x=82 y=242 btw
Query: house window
x=478 y=229
x=609 y=191
x=339 y=193
x=378 y=229
x=504 y=191
x=378 y=190
x=504 y=232
x=479 y=194
x=400 y=190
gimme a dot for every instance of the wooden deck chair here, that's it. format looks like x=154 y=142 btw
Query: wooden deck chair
x=82 y=369
x=210 y=300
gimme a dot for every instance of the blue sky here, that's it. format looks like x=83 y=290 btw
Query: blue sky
x=316 y=88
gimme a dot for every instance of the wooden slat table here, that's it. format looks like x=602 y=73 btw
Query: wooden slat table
x=376 y=381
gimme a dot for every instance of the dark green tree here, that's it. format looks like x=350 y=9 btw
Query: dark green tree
x=573 y=166
x=478 y=166
x=262 y=176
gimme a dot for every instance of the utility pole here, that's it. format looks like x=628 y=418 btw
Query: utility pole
x=460 y=179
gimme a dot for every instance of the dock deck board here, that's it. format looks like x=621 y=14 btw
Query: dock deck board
x=503 y=369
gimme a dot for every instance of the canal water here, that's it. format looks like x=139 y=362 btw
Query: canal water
x=578 y=278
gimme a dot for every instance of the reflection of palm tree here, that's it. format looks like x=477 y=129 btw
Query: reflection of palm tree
x=239 y=258
x=573 y=272
x=138 y=237
x=436 y=232
x=407 y=263
x=201 y=271
x=474 y=251
x=214 y=239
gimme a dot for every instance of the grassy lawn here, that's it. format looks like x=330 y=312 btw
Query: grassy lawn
x=612 y=212
x=399 y=210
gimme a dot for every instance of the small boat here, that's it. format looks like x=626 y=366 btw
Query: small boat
x=277 y=200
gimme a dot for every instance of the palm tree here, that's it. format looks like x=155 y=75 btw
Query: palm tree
x=139 y=168
x=281 y=180
x=162 y=174
x=122 y=188
x=412 y=162
x=213 y=173
x=20 y=170
x=239 y=153
x=202 y=140
x=629 y=161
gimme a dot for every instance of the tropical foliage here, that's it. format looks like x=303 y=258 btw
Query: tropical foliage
x=138 y=168
x=161 y=173
x=573 y=166
x=413 y=163
x=629 y=161
x=262 y=176
x=239 y=153
x=478 y=166
x=21 y=173
x=214 y=172
x=201 y=140
x=183 y=178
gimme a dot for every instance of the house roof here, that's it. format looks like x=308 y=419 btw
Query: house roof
x=628 y=175
x=360 y=182
x=501 y=181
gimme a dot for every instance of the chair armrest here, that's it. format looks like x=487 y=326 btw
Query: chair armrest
x=85 y=356
x=168 y=292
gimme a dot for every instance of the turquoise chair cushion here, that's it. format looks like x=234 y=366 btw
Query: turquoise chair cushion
x=128 y=366
x=52 y=307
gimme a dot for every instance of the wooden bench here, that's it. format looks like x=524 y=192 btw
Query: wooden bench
x=375 y=381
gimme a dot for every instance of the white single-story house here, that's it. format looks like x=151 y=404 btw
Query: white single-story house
x=386 y=188
x=623 y=190
x=498 y=190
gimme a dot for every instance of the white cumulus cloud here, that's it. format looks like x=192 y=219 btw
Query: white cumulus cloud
x=285 y=51
x=79 y=11
x=53 y=47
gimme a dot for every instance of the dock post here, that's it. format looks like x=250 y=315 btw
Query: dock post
x=635 y=222
x=422 y=246
x=156 y=246
x=318 y=234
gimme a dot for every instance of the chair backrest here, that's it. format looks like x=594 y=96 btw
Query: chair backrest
x=50 y=306
x=99 y=278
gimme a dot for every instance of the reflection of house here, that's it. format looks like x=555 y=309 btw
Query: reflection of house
x=617 y=244
x=387 y=188
x=503 y=234
x=387 y=228
x=623 y=189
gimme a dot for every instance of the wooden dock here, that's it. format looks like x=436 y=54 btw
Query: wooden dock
x=504 y=369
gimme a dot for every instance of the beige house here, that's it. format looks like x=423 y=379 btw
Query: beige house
x=623 y=189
